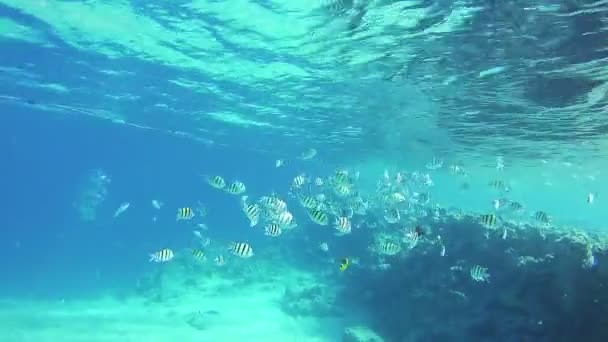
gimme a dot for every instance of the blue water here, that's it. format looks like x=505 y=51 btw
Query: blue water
x=46 y=163
x=157 y=97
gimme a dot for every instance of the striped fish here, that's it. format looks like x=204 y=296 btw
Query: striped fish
x=341 y=177
x=199 y=255
x=488 y=220
x=343 y=225
x=307 y=201
x=541 y=217
x=236 y=188
x=241 y=249
x=318 y=217
x=278 y=205
x=516 y=206
x=499 y=185
x=185 y=213
x=217 y=182
x=342 y=190
x=163 y=255
x=273 y=230
x=284 y=218
x=389 y=248
x=298 y=181
x=252 y=211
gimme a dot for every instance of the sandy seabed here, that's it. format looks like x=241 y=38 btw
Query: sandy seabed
x=241 y=313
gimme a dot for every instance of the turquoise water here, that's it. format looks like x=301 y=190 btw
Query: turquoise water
x=111 y=102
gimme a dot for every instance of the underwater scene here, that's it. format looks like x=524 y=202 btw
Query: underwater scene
x=303 y=170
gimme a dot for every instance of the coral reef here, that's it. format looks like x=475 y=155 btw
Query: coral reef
x=547 y=284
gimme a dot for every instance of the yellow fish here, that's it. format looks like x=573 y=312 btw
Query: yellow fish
x=344 y=264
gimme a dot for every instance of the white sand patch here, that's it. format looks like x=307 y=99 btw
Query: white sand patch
x=216 y=309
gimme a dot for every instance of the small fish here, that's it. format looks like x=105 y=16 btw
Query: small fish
x=480 y=274
x=542 y=217
x=342 y=190
x=284 y=219
x=499 y=203
x=516 y=206
x=308 y=202
x=344 y=263
x=219 y=260
x=318 y=217
x=590 y=198
x=442 y=250
x=185 y=213
x=241 y=249
x=434 y=164
x=389 y=248
x=273 y=230
x=343 y=225
x=252 y=211
x=164 y=255
x=499 y=185
x=157 y=204
x=341 y=177
x=199 y=255
x=197 y=234
x=324 y=247
x=319 y=181
x=123 y=207
x=278 y=163
x=488 y=220
x=217 y=182
x=298 y=181
x=236 y=188
x=504 y=233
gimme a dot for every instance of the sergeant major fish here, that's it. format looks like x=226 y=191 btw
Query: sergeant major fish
x=164 y=255
x=185 y=213
x=241 y=249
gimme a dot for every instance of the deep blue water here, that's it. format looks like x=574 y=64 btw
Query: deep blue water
x=47 y=250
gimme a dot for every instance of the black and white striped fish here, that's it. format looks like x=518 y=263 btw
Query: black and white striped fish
x=236 y=188
x=252 y=211
x=298 y=181
x=241 y=249
x=343 y=225
x=488 y=220
x=273 y=230
x=319 y=217
x=185 y=213
x=216 y=181
x=163 y=255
